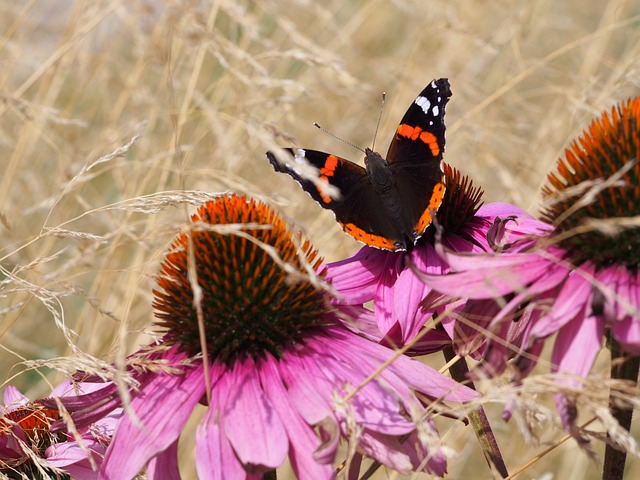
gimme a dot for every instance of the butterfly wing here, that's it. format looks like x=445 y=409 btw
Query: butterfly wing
x=344 y=188
x=415 y=156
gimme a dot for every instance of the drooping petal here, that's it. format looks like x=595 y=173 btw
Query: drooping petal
x=488 y=276
x=624 y=301
x=356 y=277
x=522 y=224
x=304 y=444
x=574 y=295
x=408 y=373
x=627 y=333
x=388 y=450
x=371 y=407
x=13 y=397
x=164 y=466
x=309 y=390
x=250 y=421
x=409 y=291
x=432 y=453
x=577 y=345
x=162 y=409
x=72 y=457
x=215 y=458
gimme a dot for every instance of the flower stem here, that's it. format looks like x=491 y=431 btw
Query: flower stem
x=614 y=459
x=478 y=418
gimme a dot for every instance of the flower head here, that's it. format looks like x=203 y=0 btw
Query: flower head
x=251 y=273
x=595 y=188
x=243 y=312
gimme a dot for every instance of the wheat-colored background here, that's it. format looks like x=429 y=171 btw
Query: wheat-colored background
x=206 y=87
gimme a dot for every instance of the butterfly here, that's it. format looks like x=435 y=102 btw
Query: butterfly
x=390 y=203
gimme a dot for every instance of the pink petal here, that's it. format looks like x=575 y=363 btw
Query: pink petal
x=162 y=408
x=436 y=460
x=627 y=333
x=622 y=304
x=405 y=373
x=462 y=245
x=359 y=320
x=309 y=389
x=541 y=293
x=81 y=471
x=484 y=276
x=13 y=398
x=303 y=441
x=523 y=224
x=386 y=449
x=164 y=466
x=357 y=277
x=409 y=291
x=65 y=453
x=575 y=295
x=69 y=389
x=215 y=458
x=469 y=334
x=250 y=421
x=383 y=301
x=373 y=407
x=577 y=346
x=500 y=209
x=433 y=341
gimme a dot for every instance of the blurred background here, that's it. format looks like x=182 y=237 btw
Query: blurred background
x=117 y=117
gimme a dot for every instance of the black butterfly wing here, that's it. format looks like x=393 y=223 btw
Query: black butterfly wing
x=344 y=188
x=415 y=156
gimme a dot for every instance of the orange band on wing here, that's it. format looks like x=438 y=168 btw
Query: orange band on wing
x=415 y=133
x=371 y=239
x=326 y=198
x=328 y=170
x=434 y=204
x=329 y=167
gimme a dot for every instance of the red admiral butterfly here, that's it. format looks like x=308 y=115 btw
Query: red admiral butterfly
x=390 y=203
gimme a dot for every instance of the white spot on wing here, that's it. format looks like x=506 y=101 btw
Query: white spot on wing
x=423 y=103
x=436 y=110
x=299 y=155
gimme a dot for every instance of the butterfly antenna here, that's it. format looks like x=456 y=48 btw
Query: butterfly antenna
x=375 y=135
x=339 y=138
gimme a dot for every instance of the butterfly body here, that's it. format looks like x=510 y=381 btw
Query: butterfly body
x=390 y=202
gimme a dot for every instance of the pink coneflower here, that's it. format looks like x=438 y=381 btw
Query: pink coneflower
x=393 y=280
x=29 y=449
x=580 y=280
x=286 y=375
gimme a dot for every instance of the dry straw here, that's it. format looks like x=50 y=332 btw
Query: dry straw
x=116 y=118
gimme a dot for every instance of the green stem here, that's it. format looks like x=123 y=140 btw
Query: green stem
x=614 y=459
x=478 y=418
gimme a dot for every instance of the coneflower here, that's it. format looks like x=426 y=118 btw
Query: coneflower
x=258 y=342
x=578 y=280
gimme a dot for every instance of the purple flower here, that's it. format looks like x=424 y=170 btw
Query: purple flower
x=578 y=277
x=285 y=374
x=29 y=447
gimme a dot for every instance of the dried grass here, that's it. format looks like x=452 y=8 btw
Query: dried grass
x=117 y=117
